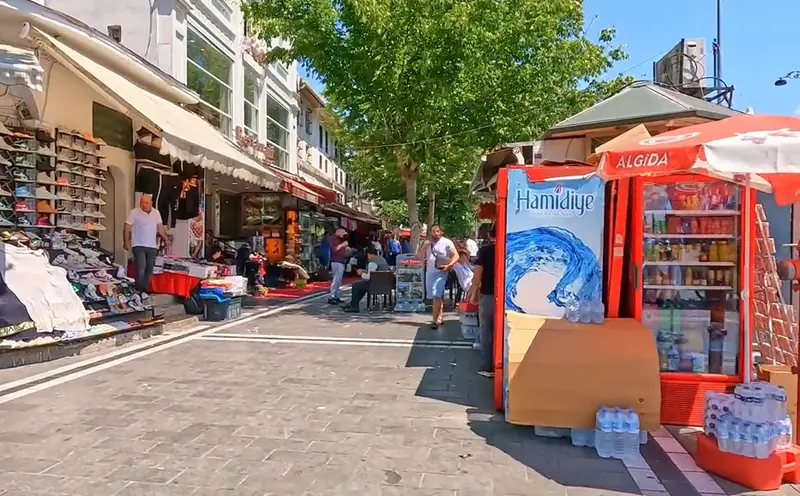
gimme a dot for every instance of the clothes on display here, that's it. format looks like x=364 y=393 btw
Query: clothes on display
x=43 y=289
x=175 y=193
x=14 y=317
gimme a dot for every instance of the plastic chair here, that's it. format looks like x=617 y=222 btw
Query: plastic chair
x=381 y=282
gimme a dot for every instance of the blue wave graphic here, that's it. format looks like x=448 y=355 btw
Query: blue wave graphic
x=553 y=250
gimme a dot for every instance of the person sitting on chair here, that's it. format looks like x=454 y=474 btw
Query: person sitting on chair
x=375 y=262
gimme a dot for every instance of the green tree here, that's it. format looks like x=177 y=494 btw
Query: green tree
x=401 y=74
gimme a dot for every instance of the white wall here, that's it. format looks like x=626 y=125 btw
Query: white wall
x=310 y=141
x=138 y=24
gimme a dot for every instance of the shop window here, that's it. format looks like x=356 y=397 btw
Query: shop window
x=251 y=87
x=208 y=72
x=309 y=122
x=230 y=214
x=278 y=131
x=113 y=127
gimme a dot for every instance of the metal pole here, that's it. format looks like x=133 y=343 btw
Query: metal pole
x=719 y=41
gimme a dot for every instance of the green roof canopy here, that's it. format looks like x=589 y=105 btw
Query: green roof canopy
x=640 y=102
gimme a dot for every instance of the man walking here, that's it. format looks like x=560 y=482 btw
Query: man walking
x=374 y=262
x=483 y=284
x=338 y=247
x=140 y=236
x=441 y=256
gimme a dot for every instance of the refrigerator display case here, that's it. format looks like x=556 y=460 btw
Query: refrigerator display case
x=686 y=263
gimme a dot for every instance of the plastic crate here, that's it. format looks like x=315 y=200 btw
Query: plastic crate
x=215 y=311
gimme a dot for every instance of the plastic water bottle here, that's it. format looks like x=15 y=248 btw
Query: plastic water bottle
x=784 y=435
x=619 y=427
x=572 y=308
x=733 y=435
x=632 y=434
x=723 y=433
x=603 y=434
x=585 y=312
x=746 y=438
x=761 y=438
x=598 y=313
x=582 y=437
x=642 y=436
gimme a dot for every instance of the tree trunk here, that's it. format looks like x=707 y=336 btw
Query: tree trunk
x=410 y=182
x=431 y=208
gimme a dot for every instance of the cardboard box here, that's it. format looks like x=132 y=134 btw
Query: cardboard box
x=559 y=373
x=782 y=376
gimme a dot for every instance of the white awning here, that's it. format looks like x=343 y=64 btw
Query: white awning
x=19 y=66
x=185 y=135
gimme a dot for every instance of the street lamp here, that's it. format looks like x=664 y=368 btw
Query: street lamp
x=783 y=80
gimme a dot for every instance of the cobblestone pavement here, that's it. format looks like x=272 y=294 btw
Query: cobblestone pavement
x=249 y=414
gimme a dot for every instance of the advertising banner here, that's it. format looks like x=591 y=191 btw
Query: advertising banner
x=554 y=243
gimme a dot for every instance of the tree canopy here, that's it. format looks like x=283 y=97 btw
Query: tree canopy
x=419 y=85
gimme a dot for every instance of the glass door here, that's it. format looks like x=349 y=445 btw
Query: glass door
x=690 y=263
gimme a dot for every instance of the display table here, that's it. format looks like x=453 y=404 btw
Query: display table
x=171 y=283
x=558 y=373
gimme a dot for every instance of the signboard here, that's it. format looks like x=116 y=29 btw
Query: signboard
x=554 y=243
x=409 y=275
x=262 y=152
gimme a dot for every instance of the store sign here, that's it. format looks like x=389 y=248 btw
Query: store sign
x=642 y=160
x=263 y=152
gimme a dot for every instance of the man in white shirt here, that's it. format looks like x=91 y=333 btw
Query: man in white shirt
x=140 y=236
x=441 y=256
x=472 y=249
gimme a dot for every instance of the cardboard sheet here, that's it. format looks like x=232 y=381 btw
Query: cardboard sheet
x=559 y=373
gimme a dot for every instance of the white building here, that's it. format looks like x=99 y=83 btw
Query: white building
x=204 y=44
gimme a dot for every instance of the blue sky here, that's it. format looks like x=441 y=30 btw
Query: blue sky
x=759 y=42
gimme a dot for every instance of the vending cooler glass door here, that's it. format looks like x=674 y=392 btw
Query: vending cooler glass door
x=689 y=283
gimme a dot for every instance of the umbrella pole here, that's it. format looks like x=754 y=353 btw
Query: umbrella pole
x=745 y=294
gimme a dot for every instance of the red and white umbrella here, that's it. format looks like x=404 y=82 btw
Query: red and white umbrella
x=765 y=148
x=761 y=151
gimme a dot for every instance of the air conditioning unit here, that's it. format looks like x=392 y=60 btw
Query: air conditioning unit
x=684 y=66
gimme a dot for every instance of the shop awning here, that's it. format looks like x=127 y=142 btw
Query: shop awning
x=304 y=190
x=345 y=211
x=185 y=136
x=19 y=66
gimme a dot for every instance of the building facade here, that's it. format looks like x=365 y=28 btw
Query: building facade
x=205 y=44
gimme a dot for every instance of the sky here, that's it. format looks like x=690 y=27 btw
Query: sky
x=759 y=43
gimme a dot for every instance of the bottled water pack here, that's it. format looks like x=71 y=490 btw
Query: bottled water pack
x=584 y=311
x=752 y=422
x=617 y=433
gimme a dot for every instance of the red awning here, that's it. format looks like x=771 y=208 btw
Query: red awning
x=298 y=188
x=326 y=193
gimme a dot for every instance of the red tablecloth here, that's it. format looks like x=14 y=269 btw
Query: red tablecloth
x=171 y=283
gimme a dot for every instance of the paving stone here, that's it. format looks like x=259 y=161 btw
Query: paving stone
x=251 y=418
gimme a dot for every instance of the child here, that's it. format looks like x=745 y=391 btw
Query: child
x=463 y=271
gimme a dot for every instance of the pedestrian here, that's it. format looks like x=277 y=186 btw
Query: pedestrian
x=405 y=246
x=463 y=272
x=393 y=249
x=325 y=249
x=472 y=249
x=482 y=293
x=441 y=256
x=140 y=236
x=360 y=288
x=338 y=245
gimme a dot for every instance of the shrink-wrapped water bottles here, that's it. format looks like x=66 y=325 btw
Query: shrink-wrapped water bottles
x=617 y=432
x=752 y=422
